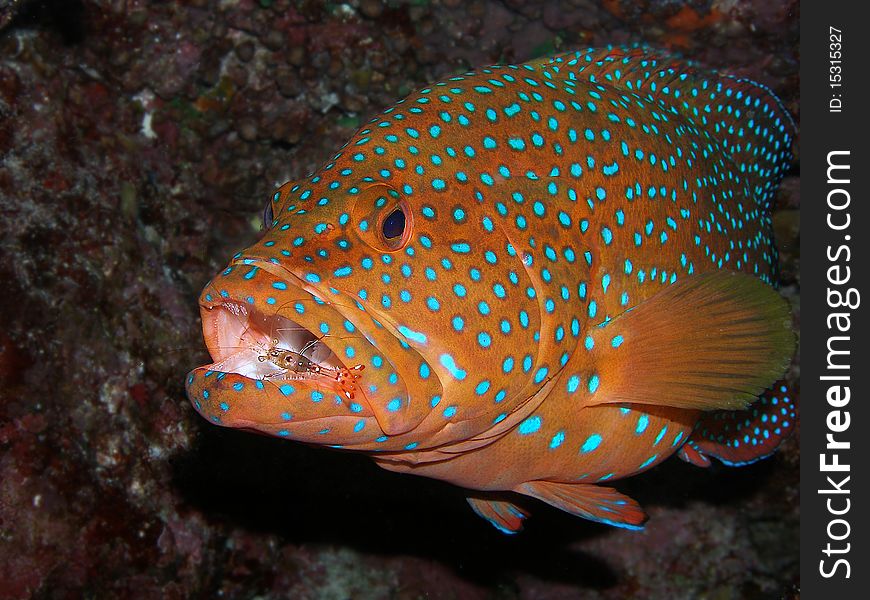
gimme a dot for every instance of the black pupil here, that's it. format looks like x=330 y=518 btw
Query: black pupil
x=268 y=216
x=394 y=224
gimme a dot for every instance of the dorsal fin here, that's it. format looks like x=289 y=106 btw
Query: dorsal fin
x=745 y=121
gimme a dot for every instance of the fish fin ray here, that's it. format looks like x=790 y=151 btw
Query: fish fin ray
x=600 y=504
x=713 y=341
x=505 y=516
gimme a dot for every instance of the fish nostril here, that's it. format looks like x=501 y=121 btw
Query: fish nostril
x=527 y=259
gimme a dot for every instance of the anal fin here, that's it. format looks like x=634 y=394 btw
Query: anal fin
x=601 y=504
x=690 y=453
x=742 y=437
x=503 y=515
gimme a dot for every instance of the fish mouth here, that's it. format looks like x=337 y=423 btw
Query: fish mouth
x=292 y=359
x=250 y=343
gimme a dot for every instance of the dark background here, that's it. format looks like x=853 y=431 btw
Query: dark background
x=139 y=142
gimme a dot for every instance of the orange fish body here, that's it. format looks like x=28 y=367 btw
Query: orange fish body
x=530 y=279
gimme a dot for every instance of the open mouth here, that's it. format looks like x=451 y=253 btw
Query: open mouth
x=245 y=341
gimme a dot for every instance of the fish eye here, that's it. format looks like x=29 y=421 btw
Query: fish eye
x=394 y=225
x=383 y=217
x=268 y=216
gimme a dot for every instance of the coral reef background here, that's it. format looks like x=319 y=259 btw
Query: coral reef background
x=139 y=142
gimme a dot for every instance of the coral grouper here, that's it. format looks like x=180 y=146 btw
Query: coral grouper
x=531 y=279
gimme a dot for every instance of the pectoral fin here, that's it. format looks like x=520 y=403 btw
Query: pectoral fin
x=713 y=341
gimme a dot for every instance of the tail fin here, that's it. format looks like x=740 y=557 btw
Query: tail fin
x=741 y=437
x=744 y=120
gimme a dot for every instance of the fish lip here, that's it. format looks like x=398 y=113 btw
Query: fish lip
x=214 y=301
x=212 y=298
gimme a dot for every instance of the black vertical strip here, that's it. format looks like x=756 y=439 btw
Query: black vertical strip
x=835 y=267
